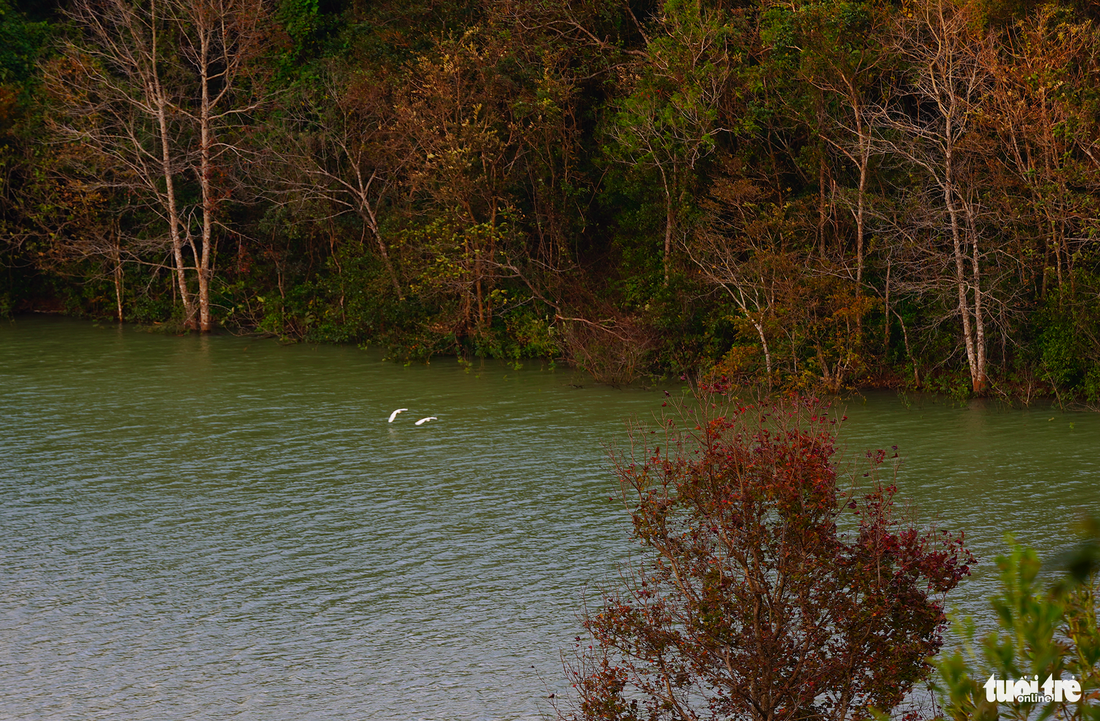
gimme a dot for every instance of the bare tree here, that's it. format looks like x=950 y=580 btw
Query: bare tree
x=734 y=253
x=1033 y=107
x=840 y=57
x=340 y=150
x=940 y=42
x=156 y=89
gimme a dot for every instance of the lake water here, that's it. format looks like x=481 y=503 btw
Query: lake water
x=208 y=528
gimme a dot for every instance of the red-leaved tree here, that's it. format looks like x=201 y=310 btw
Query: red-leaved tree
x=764 y=592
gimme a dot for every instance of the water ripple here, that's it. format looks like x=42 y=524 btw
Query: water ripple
x=216 y=528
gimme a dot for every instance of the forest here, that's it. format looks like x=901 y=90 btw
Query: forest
x=789 y=194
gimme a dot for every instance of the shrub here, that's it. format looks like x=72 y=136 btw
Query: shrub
x=1044 y=631
x=764 y=591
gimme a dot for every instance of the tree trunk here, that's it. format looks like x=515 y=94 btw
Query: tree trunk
x=951 y=203
x=366 y=210
x=886 y=325
x=961 y=283
x=864 y=162
x=118 y=278
x=908 y=351
x=767 y=353
x=372 y=223
x=204 y=182
x=669 y=220
x=156 y=93
x=980 y=380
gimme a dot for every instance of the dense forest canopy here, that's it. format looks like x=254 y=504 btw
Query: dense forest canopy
x=786 y=192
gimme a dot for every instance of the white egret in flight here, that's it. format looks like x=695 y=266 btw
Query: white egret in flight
x=422 y=421
x=394 y=414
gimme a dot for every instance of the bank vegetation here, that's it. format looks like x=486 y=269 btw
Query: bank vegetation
x=788 y=193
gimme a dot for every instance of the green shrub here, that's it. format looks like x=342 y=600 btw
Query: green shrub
x=1044 y=631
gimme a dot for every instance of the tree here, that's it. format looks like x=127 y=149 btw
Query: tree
x=340 y=151
x=807 y=322
x=839 y=55
x=765 y=592
x=458 y=123
x=734 y=252
x=941 y=43
x=669 y=121
x=80 y=226
x=1039 y=81
x=157 y=90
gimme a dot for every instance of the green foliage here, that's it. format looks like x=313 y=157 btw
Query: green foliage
x=20 y=44
x=520 y=332
x=681 y=179
x=1066 y=344
x=1043 y=631
x=1091 y=385
x=1060 y=352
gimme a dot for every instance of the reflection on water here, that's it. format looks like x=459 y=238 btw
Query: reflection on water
x=219 y=527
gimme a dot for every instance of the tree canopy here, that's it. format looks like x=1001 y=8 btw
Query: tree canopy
x=766 y=590
x=810 y=194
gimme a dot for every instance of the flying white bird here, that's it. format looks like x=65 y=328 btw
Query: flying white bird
x=394 y=414
x=422 y=421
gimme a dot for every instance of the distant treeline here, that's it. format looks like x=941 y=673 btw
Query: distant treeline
x=791 y=193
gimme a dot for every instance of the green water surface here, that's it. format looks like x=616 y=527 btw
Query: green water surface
x=219 y=527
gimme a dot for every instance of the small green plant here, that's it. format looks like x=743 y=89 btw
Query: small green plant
x=1046 y=633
